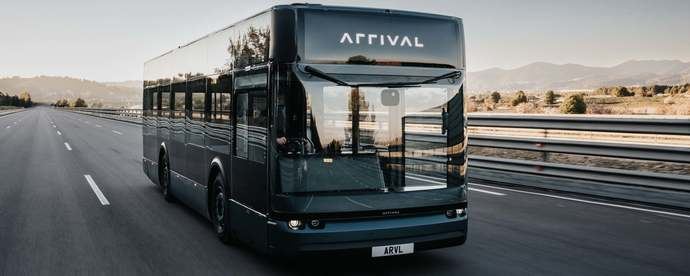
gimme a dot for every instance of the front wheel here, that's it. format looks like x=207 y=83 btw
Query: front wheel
x=220 y=210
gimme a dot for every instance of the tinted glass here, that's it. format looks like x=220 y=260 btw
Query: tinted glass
x=376 y=38
x=178 y=104
x=221 y=103
x=197 y=98
x=251 y=116
x=376 y=139
x=245 y=43
x=154 y=99
x=148 y=94
x=165 y=100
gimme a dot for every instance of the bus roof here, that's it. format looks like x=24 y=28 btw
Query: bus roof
x=319 y=7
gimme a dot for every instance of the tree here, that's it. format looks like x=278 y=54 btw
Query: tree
x=622 y=91
x=495 y=97
x=550 y=97
x=574 y=104
x=489 y=104
x=62 y=103
x=25 y=99
x=79 y=103
x=520 y=97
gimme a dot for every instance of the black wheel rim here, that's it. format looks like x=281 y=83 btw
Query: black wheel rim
x=220 y=209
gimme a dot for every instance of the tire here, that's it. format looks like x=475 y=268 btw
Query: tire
x=164 y=178
x=220 y=211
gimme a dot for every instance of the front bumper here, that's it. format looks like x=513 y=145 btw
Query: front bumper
x=426 y=231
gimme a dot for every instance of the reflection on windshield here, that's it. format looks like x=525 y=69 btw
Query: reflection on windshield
x=370 y=138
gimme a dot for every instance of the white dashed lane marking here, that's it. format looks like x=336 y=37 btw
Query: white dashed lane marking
x=96 y=190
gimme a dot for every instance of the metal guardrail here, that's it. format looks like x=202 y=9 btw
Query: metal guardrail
x=622 y=125
x=10 y=111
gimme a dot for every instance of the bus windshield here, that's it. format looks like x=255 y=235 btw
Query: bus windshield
x=369 y=139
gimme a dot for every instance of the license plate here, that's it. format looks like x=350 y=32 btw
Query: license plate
x=392 y=250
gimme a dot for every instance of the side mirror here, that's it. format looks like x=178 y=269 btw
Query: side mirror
x=390 y=97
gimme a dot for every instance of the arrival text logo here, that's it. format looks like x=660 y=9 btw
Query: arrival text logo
x=381 y=39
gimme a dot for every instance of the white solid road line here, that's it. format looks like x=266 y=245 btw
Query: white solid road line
x=588 y=201
x=443 y=183
x=67 y=146
x=117 y=132
x=96 y=190
x=486 y=191
x=59 y=133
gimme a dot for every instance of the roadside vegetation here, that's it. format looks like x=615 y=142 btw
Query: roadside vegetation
x=79 y=102
x=14 y=101
x=621 y=100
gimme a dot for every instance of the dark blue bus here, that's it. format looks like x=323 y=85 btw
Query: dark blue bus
x=311 y=128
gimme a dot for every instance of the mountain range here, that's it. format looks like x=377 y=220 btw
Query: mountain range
x=549 y=76
x=45 y=89
x=536 y=76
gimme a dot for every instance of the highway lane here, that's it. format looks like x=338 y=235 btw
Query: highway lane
x=52 y=221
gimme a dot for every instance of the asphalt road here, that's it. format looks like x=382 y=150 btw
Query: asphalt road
x=53 y=222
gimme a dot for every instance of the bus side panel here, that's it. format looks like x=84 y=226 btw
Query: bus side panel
x=149 y=133
x=150 y=149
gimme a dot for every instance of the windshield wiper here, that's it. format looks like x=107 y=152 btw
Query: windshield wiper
x=320 y=74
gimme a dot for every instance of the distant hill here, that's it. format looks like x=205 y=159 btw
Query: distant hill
x=130 y=83
x=531 y=77
x=543 y=76
x=49 y=89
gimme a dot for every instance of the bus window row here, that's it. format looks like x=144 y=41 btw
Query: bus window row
x=206 y=99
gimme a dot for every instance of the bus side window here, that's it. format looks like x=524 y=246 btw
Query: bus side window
x=197 y=99
x=165 y=100
x=220 y=100
x=259 y=113
x=154 y=101
x=178 y=100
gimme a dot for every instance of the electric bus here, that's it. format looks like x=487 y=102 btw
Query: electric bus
x=310 y=128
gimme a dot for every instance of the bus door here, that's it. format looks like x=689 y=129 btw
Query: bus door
x=249 y=183
x=196 y=167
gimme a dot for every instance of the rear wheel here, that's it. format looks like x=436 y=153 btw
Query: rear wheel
x=164 y=177
x=220 y=210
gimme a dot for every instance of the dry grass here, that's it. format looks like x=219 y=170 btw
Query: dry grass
x=662 y=104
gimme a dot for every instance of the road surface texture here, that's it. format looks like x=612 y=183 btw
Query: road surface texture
x=74 y=199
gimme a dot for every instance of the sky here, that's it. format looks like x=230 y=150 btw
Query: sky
x=110 y=40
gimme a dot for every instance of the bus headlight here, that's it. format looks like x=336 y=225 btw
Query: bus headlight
x=295 y=224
